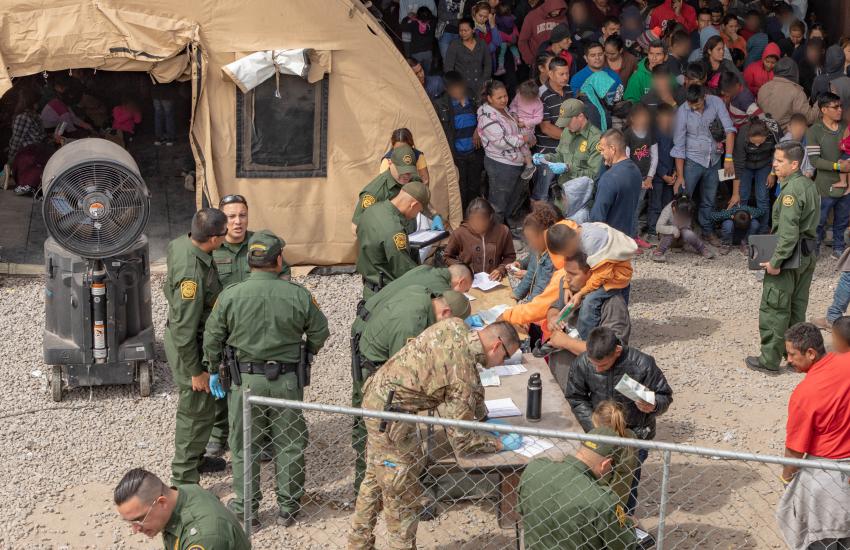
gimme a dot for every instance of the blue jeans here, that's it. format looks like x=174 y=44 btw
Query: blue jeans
x=590 y=311
x=840 y=217
x=631 y=504
x=543 y=180
x=444 y=42
x=163 y=119
x=423 y=58
x=730 y=234
x=841 y=298
x=758 y=179
x=704 y=180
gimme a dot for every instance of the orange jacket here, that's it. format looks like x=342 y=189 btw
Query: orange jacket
x=609 y=274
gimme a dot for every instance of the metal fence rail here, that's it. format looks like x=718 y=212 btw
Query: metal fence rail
x=687 y=497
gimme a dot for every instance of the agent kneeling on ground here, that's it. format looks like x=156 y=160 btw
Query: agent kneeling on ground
x=596 y=372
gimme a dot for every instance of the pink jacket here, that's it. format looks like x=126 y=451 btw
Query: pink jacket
x=530 y=113
x=125 y=120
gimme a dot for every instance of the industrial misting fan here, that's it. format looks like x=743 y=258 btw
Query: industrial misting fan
x=98 y=328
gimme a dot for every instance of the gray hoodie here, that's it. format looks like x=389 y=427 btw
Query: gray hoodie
x=833 y=67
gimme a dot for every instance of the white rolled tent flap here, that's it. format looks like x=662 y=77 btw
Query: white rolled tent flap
x=252 y=70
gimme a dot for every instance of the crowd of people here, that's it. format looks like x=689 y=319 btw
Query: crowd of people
x=584 y=134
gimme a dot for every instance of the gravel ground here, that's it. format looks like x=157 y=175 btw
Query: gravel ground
x=698 y=317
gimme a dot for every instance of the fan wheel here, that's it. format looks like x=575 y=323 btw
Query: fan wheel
x=56 y=383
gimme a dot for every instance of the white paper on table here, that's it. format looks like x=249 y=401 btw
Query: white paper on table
x=634 y=390
x=469 y=296
x=515 y=359
x=500 y=408
x=482 y=281
x=489 y=316
x=508 y=370
x=532 y=446
x=424 y=236
x=489 y=378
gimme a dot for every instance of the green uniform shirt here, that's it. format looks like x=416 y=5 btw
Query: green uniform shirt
x=580 y=152
x=383 y=244
x=382 y=188
x=264 y=319
x=403 y=318
x=796 y=214
x=231 y=261
x=563 y=505
x=824 y=150
x=191 y=288
x=201 y=522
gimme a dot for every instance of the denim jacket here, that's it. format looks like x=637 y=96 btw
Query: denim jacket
x=539 y=270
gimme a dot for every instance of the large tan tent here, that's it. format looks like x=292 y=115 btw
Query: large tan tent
x=300 y=158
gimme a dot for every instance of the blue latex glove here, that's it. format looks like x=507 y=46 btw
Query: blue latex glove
x=557 y=167
x=474 y=321
x=511 y=441
x=437 y=223
x=537 y=158
x=215 y=387
x=496 y=421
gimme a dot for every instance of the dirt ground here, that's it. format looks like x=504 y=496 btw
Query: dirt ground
x=697 y=317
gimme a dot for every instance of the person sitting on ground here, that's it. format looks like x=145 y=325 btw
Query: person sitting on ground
x=814 y=511
x=400 y=137
x=528 y=111
x=596 y=372
x=675 y=223
x=610 y=414
x=737 y=224
x=59 y=109
x=609 y=253
x=29 y=149
x=565 y=504
x=841 y=335
x=535 y=270
x=481 y=243
x=187 y=516
x=126 y=116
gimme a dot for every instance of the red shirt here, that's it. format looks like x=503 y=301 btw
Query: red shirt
x=819 y=410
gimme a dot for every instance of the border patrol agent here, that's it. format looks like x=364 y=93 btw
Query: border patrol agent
x=264 y=319
x=389 y=182
x=565 y=504
x=384 y=255
x=399 y=320
x=191 y=288
x=579 y=146
x=188 y=517
x=231 y=261
x=785 y=292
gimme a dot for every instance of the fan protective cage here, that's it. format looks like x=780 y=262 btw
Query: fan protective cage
x=96 y=204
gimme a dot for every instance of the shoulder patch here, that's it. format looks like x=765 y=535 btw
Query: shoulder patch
x=598 y=146
x=313 y=299
x=188 y=289
x=196 y=547
x=409 y=340
x=400 y=240
x=788 y=200
x=618 y=509
x=583 y=147
x=368 y=200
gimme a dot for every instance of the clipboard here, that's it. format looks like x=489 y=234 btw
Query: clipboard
x=761 y=248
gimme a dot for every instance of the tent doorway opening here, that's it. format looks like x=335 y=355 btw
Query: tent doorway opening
x=150 y=120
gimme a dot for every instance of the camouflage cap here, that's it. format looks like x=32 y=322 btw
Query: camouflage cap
x=404 y=159
x=605 y=450
x=458 y=303
x=418 y=191
x=569 y=108
x=264 y=245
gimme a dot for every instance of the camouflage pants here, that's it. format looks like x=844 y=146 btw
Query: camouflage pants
x=395 y=488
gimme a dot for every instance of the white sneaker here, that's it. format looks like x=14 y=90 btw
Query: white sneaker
x=189 y=182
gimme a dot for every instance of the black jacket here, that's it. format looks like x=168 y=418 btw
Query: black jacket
x=446 y=114
x=586 y=388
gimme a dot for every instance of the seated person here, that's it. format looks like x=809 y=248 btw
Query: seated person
x=480 y=242
x=674 y=225
x=58 y=110
x=399 y=138
x=841 y=335
x=536 y=269
x=609 y=253
x=737 y=224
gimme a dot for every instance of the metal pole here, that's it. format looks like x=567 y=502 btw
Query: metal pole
x=247 y=463
x=662 y=512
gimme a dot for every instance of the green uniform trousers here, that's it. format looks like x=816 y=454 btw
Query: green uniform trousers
x=287 y=431
x=358 y=431
x=784 y=300
x=195 y=410
x=219 y=430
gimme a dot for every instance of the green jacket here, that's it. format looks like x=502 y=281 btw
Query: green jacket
x=403 y=318
x=796 y=214
x=231 y=261
x=383 y=246
x=435 y=279
x=639 y=83
x=382 y=188
x=564 y=506
x=264 y=318
x=201 y=522
x=580 y=152
x=191 y=288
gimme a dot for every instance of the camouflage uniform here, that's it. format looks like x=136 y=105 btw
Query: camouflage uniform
x=437 y=368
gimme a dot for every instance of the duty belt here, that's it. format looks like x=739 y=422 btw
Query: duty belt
x=362 y=312
x=374 y=287
x=370 y=366
x=261 y=368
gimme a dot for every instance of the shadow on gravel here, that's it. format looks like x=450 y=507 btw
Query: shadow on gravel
x=650 y=332
x=656 y=291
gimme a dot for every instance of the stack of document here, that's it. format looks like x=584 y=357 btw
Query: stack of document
x=508 y=370
x=489 y=377
x=427 y=236
x=500 y=408
x=532 y=446
x=482 y=281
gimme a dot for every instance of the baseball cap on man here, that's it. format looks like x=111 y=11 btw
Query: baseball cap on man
x=418 y=191
x=404 y=159
x=569 y=108
x=264 y=245
x=605 y=450
x=458 y=303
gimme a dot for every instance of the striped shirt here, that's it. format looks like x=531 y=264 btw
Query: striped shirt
x=552 y=101
x=465 y=121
